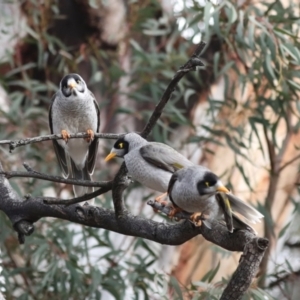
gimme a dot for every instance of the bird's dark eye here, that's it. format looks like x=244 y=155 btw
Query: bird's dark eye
x=77 y=80
x=121 y=145
x=207 y=183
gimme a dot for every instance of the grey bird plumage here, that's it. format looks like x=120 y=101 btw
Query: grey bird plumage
x=74 y=109
x=194 y=189
x=150 y=163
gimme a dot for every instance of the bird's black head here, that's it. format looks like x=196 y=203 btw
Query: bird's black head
x=72 y=84
x=207 y=184
x=121 y=147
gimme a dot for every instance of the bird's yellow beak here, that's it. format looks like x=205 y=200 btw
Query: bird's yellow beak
x=223 y=189
x=110 y=156
x=72 y=85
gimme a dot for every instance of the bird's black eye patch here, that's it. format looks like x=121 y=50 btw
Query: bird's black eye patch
x=209 y=180
x=64 y=81
x=121 y=144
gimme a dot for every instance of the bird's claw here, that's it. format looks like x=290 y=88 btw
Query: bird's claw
x=160 y=197
x=174 y=211
x=65 y=135
x=91 y=135
x=197 y=218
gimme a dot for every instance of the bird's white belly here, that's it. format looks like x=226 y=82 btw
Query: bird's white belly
x=148 y=175
x=74 y=121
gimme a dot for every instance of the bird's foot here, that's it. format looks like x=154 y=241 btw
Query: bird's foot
x=91 y=135
x=159 y=198
x=197 y=218
x=65 y=135
x=175 y=210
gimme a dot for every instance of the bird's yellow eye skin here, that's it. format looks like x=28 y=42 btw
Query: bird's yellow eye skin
x=207 y=183
x=121 y=145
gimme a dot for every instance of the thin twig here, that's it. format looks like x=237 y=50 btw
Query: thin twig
x=192 y=63
x=58 y=179
x=85 y=197
x=13 y=144
x=288 y=163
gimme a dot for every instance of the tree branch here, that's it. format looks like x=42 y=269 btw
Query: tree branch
x=252 y=246
x=85 y=197
x=13 y=144
x=246 y=270
x=34 y=174
x=191 y=65
x=24 y=212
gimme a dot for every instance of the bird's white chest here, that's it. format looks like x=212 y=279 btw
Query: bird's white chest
x=77 y=115
x=145 y=173
x=74 y=116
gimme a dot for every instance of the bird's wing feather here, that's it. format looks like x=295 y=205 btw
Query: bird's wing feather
x=59 y=150
x=93 y=148
x=225 y=206
x=164 y=157
x=172 y=181
x=241 y=207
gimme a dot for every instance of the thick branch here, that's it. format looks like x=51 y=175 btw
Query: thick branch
x=13 y=144
x=120 y=183
x=31 y=209
x=252 y=246
x=217 y=234
x=23 y=213
x=247 y=269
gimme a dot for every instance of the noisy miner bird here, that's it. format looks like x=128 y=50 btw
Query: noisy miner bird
x=150 y=163
x=74 y=109
x=193 y=189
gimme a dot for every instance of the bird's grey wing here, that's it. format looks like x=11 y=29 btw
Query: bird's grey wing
x=93 y=149
x=164 y=157
x=59 y=150
x=172 y=181
x=223 y=202
x=241 y=207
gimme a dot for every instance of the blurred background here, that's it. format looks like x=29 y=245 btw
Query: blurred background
x=240 y=117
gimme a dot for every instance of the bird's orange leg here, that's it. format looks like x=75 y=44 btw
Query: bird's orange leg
x=65 y=135
x=159 y=199
x=175 y=210
x=91 y=135
x=197 y=218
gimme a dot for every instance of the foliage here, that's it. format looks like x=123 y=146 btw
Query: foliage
x=257 y=49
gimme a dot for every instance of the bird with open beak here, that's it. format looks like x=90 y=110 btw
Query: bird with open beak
x=74 y=109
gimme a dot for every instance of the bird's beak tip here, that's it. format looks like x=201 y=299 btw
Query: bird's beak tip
x=72 y=85
x=110 y=156
x=223 y=189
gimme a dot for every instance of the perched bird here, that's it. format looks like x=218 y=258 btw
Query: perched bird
x=74 y=109
x=193 y=189
x=150 y=163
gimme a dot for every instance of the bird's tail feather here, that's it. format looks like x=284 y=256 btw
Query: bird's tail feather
x=239 y=224
x=82 y=174
x=247 y=211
